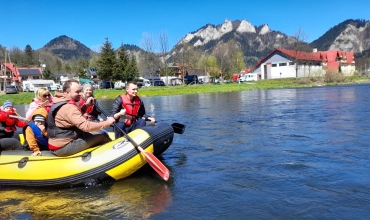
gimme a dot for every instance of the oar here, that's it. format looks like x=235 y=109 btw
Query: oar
x=150 y=158
x=177 y=127
x=18 y=117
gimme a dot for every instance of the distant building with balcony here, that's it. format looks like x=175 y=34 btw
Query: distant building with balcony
x=178 y=69
x=9 y=75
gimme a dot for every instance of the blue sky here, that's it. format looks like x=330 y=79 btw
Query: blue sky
x=36 y=22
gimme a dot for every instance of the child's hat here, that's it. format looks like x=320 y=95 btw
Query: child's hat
x=38 y=118
x=7 y=103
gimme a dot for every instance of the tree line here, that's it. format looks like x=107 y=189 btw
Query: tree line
x=152 y=59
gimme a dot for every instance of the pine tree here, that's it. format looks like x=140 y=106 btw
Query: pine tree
x=47 y=74
x=121 y=66
x=106 y=61
x=29 y=55
x=133 y=71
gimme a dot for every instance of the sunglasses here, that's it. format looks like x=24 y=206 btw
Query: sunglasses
x=47 y=95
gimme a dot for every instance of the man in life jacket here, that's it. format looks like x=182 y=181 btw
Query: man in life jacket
x=35 y=134
x=128 y=109
x=69 y=131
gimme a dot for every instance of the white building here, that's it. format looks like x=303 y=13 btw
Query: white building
x=281 y=63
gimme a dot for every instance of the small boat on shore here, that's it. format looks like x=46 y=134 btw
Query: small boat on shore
x=112 y=161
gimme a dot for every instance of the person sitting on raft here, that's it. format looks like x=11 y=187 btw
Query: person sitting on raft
x=69 y=132
x=35 y=134
x=134 y=108
x=9 y=137
x=88 y=104
x=43 y=100
x=8 y=123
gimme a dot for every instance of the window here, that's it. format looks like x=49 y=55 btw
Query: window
x=274 y=65
x=282 y=64
x=291 y=63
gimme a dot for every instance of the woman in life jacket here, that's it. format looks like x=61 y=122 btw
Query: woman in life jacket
x=43 y=99
x=9 y=136
x=88 y=104
x=35 y=133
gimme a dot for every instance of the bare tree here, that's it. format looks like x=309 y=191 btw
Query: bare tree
x=149 y=55
x=300 y=48
x=163 y=43
x=221 y=52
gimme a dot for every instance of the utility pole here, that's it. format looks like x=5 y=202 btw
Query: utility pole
x=182 y=67
x=4 y=71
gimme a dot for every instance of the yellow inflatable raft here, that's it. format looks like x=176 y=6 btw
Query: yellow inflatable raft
x=113 y=161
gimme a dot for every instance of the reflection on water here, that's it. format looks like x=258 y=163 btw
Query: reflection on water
x=269 y=154
x=129 y=199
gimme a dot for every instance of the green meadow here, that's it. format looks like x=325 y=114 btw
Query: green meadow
x=26 y=98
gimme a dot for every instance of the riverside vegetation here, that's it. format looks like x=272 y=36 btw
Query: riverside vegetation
x=25 y=98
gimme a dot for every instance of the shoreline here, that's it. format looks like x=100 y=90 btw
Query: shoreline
x=26 y=98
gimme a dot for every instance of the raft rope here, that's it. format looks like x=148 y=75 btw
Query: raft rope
x=57 y=158
x=146 y=143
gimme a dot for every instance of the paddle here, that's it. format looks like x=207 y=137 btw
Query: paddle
x=18 y=117
x=150 y=158
x=177 y=127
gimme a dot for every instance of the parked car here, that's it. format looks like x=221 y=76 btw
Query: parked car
x=141 y=82
x=159 y=83
x=95 y=85
x=119 y=85
x=10 y=89
x=191 y=79
x=107 y=85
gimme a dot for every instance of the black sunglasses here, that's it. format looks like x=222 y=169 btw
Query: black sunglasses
x=47 y=95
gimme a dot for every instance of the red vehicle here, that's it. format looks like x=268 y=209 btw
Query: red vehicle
x=235 y=77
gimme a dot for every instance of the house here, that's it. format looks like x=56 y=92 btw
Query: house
x=178 y=69
x=9 y=75
x=30 y=73
x=281 y=63
x=92 y=73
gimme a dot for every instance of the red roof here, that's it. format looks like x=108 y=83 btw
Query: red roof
x=331 y=57
x=333 y=66
x=14 y=70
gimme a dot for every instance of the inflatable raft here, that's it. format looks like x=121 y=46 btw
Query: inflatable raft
x=112 y=161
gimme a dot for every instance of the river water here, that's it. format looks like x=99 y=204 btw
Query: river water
x=269 y=154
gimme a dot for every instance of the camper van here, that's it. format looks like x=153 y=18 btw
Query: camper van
x=247 y=77
x=33 y=85
x=142 y=82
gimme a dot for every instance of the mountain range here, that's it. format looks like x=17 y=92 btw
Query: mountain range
x=255 y=41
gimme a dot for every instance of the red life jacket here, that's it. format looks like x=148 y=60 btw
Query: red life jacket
x=89 y=110
x=132 y=108
x=10 y=123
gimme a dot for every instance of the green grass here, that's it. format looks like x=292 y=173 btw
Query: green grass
x=26 y=98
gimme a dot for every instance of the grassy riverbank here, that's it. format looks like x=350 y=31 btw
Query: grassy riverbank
x=25 y=98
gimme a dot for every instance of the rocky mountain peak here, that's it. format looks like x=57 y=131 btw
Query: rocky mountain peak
x=265 y=29
x=246 y=27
